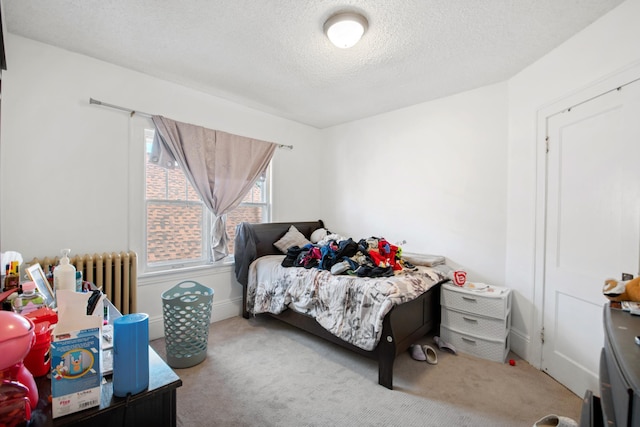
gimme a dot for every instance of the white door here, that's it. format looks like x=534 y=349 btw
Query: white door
x=593 y=228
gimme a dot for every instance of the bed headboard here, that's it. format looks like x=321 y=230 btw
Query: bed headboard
x=256 y=240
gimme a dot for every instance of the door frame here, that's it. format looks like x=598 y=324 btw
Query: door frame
x=606 y=84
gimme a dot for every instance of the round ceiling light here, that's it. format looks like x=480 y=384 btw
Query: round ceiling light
x=345 y=29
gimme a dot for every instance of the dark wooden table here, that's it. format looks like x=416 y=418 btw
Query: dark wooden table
x=156 y=406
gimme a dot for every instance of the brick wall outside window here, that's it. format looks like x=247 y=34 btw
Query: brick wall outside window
x=175 y=215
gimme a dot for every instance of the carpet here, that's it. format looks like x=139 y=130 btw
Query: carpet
x=263 y=372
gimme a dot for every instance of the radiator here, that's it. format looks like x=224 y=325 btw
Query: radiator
x=114 y=273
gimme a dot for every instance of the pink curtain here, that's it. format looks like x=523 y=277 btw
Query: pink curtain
x=222 y=167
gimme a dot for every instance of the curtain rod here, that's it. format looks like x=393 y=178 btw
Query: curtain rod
x=143 y=114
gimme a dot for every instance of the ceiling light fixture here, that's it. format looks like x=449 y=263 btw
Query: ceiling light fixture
x=345 y=29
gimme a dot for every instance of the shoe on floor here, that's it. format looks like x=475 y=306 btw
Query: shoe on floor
x=417 y=353
x=555 y=421
x=442 y=345
x=430 y=353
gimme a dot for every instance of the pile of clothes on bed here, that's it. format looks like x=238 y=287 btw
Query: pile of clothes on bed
x=370 y=257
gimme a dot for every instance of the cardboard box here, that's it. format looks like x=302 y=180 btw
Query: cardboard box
x=75 y=356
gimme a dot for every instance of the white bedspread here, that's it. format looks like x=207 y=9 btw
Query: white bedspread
x=352 y=308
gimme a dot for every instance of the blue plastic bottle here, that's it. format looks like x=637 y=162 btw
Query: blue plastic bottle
x=130 y=354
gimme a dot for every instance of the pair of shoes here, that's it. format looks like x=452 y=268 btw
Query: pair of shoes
x=424 y=353
x=442 y=345
x=555 y=421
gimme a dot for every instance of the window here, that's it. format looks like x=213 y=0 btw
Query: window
x=177 y=222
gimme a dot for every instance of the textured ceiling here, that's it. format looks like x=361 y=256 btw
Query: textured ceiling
x=272 y=55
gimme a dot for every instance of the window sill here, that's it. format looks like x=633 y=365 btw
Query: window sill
x=218 y=266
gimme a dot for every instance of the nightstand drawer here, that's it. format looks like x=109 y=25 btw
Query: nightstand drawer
x=490 y=349
x=493 y=304
x=482 y=326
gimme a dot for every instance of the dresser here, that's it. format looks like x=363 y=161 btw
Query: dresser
x=476 y=321
x=619 y=402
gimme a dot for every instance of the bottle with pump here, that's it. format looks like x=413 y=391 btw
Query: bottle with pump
x=64 y=275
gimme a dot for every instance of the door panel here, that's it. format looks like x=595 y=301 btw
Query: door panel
x=593 y=227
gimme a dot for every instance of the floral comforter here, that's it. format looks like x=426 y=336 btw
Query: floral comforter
x=350 y=307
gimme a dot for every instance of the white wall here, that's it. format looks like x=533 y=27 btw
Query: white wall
x=64 y=163
x=434 y=174
x=606 y=47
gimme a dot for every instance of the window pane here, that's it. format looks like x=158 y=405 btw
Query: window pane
x=174 y=231
x=257 y=193
x=177 y=185
x=174 y=220
x=156 y=182
x=242 y=213
x=191 y=193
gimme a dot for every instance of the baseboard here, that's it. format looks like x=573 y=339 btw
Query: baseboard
x=219 y=311
x=520 y=344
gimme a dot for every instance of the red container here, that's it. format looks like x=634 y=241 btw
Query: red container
x=38 y=361
x=43 y=314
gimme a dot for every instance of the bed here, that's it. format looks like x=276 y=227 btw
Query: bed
x=401 y=326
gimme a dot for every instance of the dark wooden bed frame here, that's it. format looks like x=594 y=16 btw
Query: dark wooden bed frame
x=402 y=326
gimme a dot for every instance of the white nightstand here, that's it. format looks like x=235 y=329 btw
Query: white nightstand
x=476 y=322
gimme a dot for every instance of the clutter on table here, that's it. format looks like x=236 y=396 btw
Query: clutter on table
x=57 y=334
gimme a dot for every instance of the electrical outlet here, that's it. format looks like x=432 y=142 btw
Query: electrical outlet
x=627 y=276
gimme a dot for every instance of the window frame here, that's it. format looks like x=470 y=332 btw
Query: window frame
x=206 y=258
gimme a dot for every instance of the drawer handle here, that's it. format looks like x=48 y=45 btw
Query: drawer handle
x=469 y=299
x=469 y=319
x=468 y=340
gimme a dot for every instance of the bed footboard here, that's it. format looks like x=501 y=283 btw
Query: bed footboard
x=403 y=326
